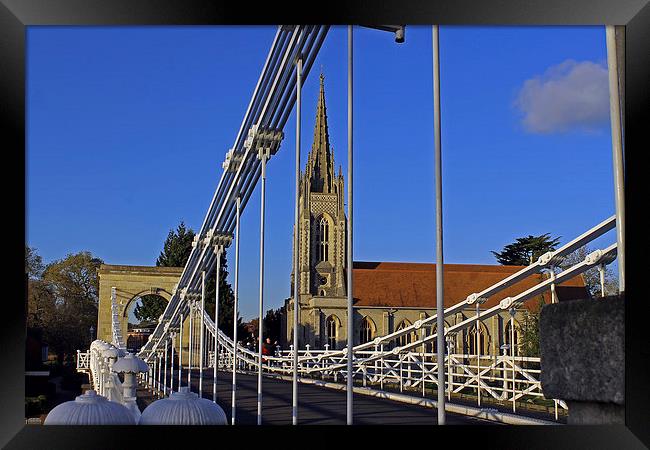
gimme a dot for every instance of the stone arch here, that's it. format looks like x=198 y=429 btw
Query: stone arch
x=159 y=292
x=130 y=282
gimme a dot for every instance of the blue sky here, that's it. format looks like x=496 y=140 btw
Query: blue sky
x=127 y=128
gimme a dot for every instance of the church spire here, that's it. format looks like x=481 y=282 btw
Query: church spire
x=320 y=170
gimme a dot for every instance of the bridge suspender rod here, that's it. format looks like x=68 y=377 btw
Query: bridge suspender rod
x=350 y=312
x=190 y=348
x=165 y=371
x=617 y=151
x=260 y=323
x=296 y=244
x=478 y=352
x=171 y=377
x=180 y=353
x=439 y=255
x=234 y=320
x=202 y=338
x=216 y=328
x=159 y=384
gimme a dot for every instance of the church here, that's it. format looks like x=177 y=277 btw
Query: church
x=387 y=296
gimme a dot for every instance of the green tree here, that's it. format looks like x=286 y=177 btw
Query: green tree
x=226 y=300
x=525 y=251
x=64 y=302
x=272 y=324
x=176 y=252
x=149 y=308
x=530 y=331
x=177 y=248
x=40 y=303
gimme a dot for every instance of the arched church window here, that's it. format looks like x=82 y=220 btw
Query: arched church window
x=405 y=338
x=331 y=326
x=367 y=331
x=323 y=240
x=470 y=341
x=508 y=337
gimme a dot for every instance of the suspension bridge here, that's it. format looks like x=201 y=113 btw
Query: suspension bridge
x=395 y=380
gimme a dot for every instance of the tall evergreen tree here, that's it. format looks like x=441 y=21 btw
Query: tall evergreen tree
x=525 y=250
x=176 y=252
x=177 y=248
x=149 y=308
x=226 y=299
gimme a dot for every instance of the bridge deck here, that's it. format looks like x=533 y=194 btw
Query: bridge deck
x=316 y=405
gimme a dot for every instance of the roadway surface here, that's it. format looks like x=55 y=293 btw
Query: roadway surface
x=316 y=405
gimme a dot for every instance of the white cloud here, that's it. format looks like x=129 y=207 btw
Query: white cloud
x=569 y=96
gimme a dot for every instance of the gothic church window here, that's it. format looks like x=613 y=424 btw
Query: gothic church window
x=323 y=240
x=405 y=338
x=507 y=337
x=331 y=327
x=366 y=333
x=470 y=341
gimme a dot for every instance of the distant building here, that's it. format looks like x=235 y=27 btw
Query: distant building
x=387 y=296
x=138 y=336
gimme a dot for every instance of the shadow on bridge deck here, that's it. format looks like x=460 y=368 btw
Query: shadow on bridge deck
x=316 y=405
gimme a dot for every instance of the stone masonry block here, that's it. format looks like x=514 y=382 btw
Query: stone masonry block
x=582 y=350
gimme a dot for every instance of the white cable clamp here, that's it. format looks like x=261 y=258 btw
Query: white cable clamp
x=207 y=240
x=505 y=303
x=233 y=160
x=550 y=259
x=474 y=298
x=601 y=257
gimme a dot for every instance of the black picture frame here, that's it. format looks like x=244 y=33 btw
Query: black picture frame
x=16 y=15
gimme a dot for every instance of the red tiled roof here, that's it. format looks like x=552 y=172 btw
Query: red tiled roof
x=413 y=285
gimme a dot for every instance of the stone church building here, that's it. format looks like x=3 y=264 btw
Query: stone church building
x=387 y=295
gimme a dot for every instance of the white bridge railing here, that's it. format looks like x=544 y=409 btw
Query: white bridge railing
x=387 y=363
x=503 y=379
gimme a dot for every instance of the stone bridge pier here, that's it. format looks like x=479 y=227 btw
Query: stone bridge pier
x=582 y=346
x=132 y=282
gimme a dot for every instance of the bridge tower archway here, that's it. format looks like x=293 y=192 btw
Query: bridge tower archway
x=130 y=283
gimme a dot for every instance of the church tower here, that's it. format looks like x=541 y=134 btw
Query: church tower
x=322 y=228
x=321 y=216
